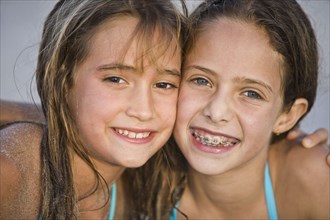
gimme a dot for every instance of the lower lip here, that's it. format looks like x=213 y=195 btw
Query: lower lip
x=135 y=140
x=211 y=149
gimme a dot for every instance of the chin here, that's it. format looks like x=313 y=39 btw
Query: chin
x=207 y=167
x=134 y=163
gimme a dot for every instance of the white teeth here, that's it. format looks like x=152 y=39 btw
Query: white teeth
x=140 y=135
x=131 y=134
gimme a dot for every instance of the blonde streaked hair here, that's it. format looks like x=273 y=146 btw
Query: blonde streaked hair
x=67 y=32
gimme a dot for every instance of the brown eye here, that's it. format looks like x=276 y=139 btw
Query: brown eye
x=164 y=85
x=115 y=80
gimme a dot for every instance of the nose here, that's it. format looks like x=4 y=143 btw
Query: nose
x=141 y=105
x=218 y=109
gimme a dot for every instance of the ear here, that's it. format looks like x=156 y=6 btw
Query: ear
x=288 y=119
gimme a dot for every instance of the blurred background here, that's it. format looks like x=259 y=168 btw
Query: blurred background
x=21 y=27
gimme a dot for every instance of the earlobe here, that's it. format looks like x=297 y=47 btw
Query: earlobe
x=289 y=118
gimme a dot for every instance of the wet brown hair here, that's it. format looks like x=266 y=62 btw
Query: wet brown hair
x=65 y=44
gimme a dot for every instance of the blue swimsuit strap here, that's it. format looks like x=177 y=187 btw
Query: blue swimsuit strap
x=113 y=202
x=270 y=198
x=173 y=214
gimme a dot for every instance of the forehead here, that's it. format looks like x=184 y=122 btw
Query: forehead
x=235 y=36
x=117 y=40
x=233 y=43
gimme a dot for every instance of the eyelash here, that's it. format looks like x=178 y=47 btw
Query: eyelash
x=255 y=95
x=115 y=80
x=160 y=85
x=204 y=82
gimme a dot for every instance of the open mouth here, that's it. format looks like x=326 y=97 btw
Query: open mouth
x=213 y=140
x=131 y=134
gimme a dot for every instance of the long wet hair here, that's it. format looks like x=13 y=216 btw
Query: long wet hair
x=290 y=34
x=65 y=43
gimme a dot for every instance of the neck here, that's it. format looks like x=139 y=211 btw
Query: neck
x=91 y=193
x=237 y=191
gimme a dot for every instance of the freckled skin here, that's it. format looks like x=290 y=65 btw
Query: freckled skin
x=20 y=167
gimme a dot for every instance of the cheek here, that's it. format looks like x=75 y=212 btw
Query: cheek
x=92 y=105
x=188 y=105
x=166 y=109
x=257 y=123
x=184 y=110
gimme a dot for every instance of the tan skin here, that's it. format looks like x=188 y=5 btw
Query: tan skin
x=229 y=184
x=23 y=177
x=20 y=143
x=21 y=170
x=19 y=111
x=283 y=167
x=23 y=174
x=22 y=184
x=12 y=111
x=292 y=196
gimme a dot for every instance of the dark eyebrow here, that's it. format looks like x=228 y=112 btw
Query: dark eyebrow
x=203 y=69
x=254 y=81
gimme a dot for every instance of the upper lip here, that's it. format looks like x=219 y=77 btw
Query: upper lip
x=200 y=130
x=135 y=130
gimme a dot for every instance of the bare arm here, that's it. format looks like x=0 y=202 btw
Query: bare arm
x=9 y=183
x=310 y=176
x=19 y=111
x=20 y=171
x=317 y=138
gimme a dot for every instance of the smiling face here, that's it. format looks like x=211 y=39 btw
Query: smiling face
x=230 y=97
x=124 y=113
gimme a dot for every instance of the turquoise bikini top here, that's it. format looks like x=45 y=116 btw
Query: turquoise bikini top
x=112 y=203
x=270 y=198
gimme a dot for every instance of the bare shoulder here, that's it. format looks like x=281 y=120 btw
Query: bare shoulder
x=20 y=142
x=20 y=170
x=308 y=163
x=306 y=175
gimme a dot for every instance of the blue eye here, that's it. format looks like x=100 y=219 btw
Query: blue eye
x=202 y=82
x=252 y=94
x=164 y=85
